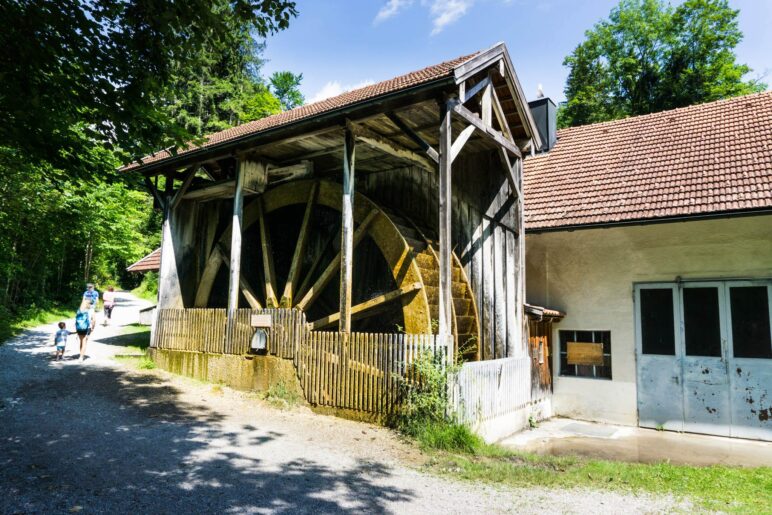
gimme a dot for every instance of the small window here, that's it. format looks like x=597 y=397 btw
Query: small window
x=657 y=330
x=568 y=364
x=750 y=321
x=702 y=325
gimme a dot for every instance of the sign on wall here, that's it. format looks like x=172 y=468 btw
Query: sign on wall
x=585 y=353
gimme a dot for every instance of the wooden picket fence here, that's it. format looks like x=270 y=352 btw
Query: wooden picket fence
x=362 y=371
x=356 y=371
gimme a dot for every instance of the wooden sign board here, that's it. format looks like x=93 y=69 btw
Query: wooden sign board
x=260 y=321
x=585 y=353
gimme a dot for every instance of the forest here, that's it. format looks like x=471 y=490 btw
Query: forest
x=84 y=88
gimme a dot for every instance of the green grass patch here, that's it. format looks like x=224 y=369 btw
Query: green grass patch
x=731 y=489
x=279 y=395
x=142 y=361
x=13 y=324
x=135 y=338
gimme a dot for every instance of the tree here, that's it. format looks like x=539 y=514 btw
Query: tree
x=285 y=86
x=224 y=89
x=107 y=67
x=648 y=56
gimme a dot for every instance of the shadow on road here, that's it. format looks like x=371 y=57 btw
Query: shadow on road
x=108 y=440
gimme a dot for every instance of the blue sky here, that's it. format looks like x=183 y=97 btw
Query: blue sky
x=342 y=44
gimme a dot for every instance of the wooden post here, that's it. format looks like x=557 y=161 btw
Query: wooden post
x=520 y=318
x=347 y=233
x=235 y=265
x=445 y=197
x=169 y=291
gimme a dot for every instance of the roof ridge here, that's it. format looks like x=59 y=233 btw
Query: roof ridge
x=691 y=107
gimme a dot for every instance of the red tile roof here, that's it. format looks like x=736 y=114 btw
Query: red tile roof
x=151 y=262
x=707 y=158
x=425 y=75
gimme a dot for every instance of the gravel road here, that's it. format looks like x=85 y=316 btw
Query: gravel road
x=100 y=437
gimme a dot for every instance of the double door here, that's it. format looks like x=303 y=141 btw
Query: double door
x=704 y=357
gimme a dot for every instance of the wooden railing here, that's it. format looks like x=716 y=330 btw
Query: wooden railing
x=200 y=330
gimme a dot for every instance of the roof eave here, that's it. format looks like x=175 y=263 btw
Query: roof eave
x=249 y=139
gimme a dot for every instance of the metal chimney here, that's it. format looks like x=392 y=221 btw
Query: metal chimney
x=544 y=112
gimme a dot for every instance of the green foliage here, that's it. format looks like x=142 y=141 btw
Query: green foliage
x=78 y=74
x=146 y=363
x=285 y=86
x=424 y=412
x=14 y=322
x=648 y=56
x=280 y=395
x=148 y=288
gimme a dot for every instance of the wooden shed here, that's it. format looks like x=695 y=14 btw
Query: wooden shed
x=393 y=208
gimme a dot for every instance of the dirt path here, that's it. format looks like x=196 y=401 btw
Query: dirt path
x=100 y=437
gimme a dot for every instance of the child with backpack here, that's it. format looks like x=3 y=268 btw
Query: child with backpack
x=60 y=340
x=84 y=323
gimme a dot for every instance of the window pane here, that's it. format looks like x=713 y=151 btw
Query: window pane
x=701 y=322
x=750 y=322
x=657 y=333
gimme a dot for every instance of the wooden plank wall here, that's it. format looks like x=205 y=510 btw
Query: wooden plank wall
x=484 y=227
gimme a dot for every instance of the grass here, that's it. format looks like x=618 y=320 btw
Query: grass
x=279 y=395
x=457 y=452
x=10 y=326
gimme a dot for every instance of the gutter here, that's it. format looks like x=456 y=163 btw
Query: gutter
x=191 y=155
x=670 y=219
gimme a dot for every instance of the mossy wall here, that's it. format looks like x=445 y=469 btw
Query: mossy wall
x=254 y=373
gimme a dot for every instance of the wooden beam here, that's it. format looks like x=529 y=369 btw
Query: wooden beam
x=475 y=120
x=371 y=305
x=154 y=191
x=501 y=117
x=277 y=174
x=178 y=196
x=379 y=142
x=468 y=95
x=461 y=140
x=510 y=173
x=267 y=251
x=219 y=252
x=445 y=199
x=310 y=273
x=300 y=248
x=347 y=231
x=235 y=266
x=486 y=106
x=324 y=279
x=413 y=135
x=223 y=189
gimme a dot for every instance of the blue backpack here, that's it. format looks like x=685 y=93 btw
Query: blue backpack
x=82 y=321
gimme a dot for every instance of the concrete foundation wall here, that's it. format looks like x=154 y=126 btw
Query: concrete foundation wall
x=256 y=373
x=590 y=274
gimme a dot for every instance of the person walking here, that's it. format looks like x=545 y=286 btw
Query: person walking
x=84 y=323
x=108 y=303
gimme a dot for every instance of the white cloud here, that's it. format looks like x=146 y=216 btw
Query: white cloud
x=334 y=88
x=391 y=8
x=445 y=12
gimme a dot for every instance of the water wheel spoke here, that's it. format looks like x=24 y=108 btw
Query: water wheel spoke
x=303 y=289
x=220 y=253
x=369 y=307
x=300 y=246
x=329 y=272
x=267 y=251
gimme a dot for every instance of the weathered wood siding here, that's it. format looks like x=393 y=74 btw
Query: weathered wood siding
x=485 y=221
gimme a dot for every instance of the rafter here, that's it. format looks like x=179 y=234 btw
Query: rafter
x=393 y=148
x=415 y=137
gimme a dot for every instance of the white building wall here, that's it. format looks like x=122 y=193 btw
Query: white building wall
x=589 y=274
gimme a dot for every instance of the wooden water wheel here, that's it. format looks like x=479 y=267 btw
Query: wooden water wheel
x=291 y=237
